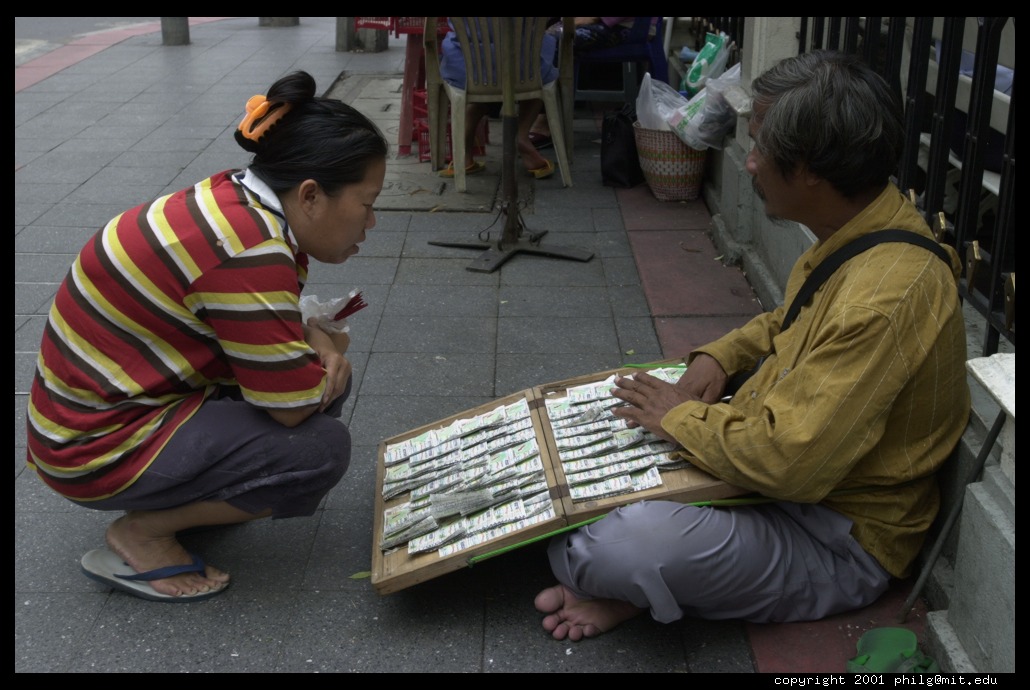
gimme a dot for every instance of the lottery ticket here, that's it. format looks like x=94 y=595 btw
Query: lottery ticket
x=600 y=473
x=437 y=538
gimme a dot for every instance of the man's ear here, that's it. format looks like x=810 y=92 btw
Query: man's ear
x=810 y=178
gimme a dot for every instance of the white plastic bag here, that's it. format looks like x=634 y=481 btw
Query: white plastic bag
x=331 y=314
x=656 y=103
x=708 y=117
x=709 y=63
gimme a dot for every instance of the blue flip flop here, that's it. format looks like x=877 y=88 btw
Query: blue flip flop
x=108 y=568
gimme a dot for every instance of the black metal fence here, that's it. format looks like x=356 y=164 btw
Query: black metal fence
x=959 y=160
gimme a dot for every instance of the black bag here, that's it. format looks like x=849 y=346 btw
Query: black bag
x=620 y=165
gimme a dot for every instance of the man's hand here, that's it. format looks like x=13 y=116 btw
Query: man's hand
x=704 y=380
x=649 y=400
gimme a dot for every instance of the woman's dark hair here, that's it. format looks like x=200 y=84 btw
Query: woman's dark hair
x=322 y=139
x=834 y=114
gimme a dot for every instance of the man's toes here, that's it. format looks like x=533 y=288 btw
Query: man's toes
x=551 y=622
x=561 y=631
x=549 y=600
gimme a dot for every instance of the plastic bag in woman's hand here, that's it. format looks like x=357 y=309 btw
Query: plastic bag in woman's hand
x=656 y=103
x=332 y=314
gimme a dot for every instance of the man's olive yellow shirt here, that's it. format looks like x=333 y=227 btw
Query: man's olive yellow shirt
x=864 y=396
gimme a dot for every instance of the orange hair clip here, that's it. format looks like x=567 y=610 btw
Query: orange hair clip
x=261 y=116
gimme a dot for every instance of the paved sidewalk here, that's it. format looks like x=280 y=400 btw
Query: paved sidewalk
x=101 y=128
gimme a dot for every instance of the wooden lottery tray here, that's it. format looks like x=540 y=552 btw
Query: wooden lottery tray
x=395 y=569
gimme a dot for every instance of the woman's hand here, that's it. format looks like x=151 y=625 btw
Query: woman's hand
x=341 y=341
x=330 y=348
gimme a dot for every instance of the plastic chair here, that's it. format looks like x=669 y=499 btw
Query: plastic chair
x=484 y=84
x=641 y=46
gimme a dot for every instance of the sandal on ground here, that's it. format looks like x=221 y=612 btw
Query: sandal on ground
x=472 y=168
x=544 y=171
x=107 y=568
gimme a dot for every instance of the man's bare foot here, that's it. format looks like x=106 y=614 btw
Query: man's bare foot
x=132 y=538
x=574 y=618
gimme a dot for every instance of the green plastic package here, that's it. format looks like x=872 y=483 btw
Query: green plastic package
x=710 y=62
x=890 y=650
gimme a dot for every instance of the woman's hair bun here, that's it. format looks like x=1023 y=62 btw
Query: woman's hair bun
x=262 y=116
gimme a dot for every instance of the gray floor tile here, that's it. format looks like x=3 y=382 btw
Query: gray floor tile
x=429 y=374
x=569 y=335
x=442 y=335
x=42 y=618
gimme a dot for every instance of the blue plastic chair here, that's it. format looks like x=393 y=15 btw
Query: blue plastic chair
x=639 y=47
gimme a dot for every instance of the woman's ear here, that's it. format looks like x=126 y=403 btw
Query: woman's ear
x=308 y=194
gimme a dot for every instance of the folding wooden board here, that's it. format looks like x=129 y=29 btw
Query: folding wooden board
x=395 y=569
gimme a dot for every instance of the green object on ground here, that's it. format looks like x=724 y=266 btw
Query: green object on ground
x=890 y=650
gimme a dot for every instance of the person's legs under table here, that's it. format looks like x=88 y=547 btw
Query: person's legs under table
x=534 y=163
x=774 y=562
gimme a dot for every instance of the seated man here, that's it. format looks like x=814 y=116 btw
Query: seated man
x=841 y=429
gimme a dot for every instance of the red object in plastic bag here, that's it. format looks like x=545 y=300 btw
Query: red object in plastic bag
x=356 y=303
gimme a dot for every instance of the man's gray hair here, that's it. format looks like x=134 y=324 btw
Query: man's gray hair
x=832 y=113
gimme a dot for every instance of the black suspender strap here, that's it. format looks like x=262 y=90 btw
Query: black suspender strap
x=824 y=270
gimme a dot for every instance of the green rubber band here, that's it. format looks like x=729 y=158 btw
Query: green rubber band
x=655 y=365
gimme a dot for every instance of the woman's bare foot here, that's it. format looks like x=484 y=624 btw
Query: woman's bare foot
x=133 y=538
x=531 y=158
x=540 y=126
x=574 y=618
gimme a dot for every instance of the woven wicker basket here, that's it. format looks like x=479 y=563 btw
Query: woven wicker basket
x=672 y=169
